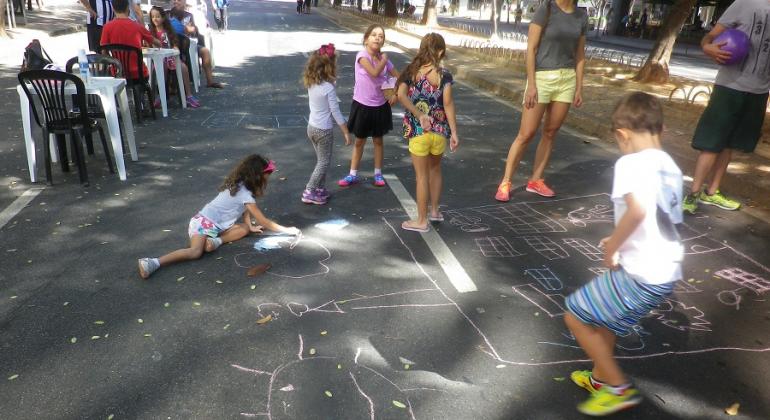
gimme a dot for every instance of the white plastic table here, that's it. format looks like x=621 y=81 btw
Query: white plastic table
x=156 y=57
x=108 y=89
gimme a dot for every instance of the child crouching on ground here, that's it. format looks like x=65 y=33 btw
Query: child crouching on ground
x=216 y=222
x=643 y=254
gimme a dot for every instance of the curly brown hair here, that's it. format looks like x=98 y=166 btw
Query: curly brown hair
x=432 y=51
x=319 y=68
x=250 y=173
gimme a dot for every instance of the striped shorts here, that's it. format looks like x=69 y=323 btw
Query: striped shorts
x=616 y=301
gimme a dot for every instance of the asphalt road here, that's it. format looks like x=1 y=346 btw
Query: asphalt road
x=365 y=322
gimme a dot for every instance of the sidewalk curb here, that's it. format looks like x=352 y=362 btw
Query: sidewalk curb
x=68 y=30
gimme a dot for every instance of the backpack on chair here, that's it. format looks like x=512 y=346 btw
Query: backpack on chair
x=35 y=57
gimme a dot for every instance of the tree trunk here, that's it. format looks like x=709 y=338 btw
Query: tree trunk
x=360 y=5
x=429 y=16
x=391 y=8
x=336 y=3
x=376 y=7
x=655 y=68
x=495 y=17
x=3 y=34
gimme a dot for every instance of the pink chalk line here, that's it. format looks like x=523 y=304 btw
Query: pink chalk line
x=360 y=391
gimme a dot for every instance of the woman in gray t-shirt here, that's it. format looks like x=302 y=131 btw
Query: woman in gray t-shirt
x=555 y=60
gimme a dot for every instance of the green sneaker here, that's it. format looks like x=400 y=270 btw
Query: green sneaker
x=690 y=203
x=719 y=200
x=582 y=378
x=603 y=402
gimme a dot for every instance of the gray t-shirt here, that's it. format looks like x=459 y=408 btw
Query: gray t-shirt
x=751 y=74
x=561 y=34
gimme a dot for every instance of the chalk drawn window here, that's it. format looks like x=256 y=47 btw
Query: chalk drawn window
x=522 y=219
x=549 y=249
x=745 y=279
x=582 y=246
x=496 y=247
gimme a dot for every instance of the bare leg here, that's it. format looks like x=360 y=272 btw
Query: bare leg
x=205 y=55
x=599 y=348
x=422 y=175
x=530 y=120
x=435 y=183
x=197 y=243
x=703 y=166
x=378 y=152
x=186 y=79
x=554 y=118
x=719 y=169
x=358 y=152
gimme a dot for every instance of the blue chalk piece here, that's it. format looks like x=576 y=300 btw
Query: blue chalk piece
x=266 y=244
x=332 y=225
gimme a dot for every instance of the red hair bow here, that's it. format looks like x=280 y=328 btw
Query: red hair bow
x=327 y=50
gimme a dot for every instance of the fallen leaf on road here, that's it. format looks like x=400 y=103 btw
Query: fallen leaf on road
x=227 y=326
x=12 y=377
x=328 y=393
x=180 y=278
x=399 y=404
x=288 y=388
x=339 y=366
x=148 y=335
x=218 y=282
x=253 y=286
x=166 y=305
x=733 y=409
x=258 y=269
x=196 y=304
x=323 y=332
x=265 y=320
x=312 y=352
x=558 y=379
x=99 y=322
x=500 y=366
x=95 y=337
x=140 y=320
x=73 y=340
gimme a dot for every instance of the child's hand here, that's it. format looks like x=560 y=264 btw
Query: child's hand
x=348 y=142
x=393 y=99
x=292 y=231
x=530 y=97
x=611 y=260
x=425 y=122
x=454 y=142
x=255 y=228
x=383 y=57
x=603 y=242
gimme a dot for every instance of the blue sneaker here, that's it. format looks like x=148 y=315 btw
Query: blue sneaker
x=379 y=181
x=348 y=181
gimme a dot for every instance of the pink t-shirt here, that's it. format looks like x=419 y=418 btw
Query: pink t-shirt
x=367 y=90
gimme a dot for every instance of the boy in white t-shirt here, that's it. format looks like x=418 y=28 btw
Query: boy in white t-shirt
x=643 y=254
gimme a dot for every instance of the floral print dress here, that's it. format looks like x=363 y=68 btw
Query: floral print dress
x=430 y=100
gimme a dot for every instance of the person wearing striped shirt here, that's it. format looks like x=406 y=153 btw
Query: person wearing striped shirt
x=99 y=13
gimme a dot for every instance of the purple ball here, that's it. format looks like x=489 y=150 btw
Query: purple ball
x=738 y=44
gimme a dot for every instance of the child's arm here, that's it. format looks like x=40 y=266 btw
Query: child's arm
x=449 y=108
x=376 y=69
x=580 y=61
x=425 y=120
x=631 y=219
x=256 y=213
x=334 y=107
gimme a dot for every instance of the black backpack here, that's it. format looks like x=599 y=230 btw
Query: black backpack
x=35 y=57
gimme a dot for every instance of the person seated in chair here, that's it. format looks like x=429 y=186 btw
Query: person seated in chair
x=124 y=31
x=183 y=23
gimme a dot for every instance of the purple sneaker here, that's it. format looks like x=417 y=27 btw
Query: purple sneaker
x=379 y=180
x=312 y=197
x=323 y=192
x=348 y=181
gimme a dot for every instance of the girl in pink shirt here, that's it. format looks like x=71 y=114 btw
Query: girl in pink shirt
x=370 y=114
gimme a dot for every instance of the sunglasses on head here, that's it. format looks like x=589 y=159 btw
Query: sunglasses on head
x=270 y=168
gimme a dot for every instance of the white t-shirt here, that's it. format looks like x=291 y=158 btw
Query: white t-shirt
x=225 y=209
x=653 y=253
x=324 y=104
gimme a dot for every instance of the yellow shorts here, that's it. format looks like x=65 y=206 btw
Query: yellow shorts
x=432 y=143
x=555 y=85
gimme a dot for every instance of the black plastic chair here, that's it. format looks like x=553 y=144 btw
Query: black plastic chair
x=59 y=119
x=139 y=85
x=102 y=66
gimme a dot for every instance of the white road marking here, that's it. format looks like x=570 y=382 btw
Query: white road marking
x=9 y=212
x=452 y=268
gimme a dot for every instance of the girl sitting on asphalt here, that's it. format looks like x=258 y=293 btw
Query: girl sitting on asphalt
x=319 y=77
x=370 y=114
x=555 y=60
x=216 y=222
x=425 y=91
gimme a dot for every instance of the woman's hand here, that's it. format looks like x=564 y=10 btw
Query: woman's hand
x=348 y=142
x=578 y=101
x=530 y=97
x=454 y=142
x=426 y=122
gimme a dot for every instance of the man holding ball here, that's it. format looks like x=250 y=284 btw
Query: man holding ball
x=736 y=110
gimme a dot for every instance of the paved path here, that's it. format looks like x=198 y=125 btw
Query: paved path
x=365 y=321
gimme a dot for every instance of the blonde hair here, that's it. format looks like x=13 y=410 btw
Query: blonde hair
x=319 y=68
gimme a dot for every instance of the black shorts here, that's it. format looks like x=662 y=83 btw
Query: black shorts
x=732 y=120
x=94 y=33
x=370 y=121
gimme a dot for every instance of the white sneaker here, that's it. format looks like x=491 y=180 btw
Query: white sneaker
x=147 y=266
